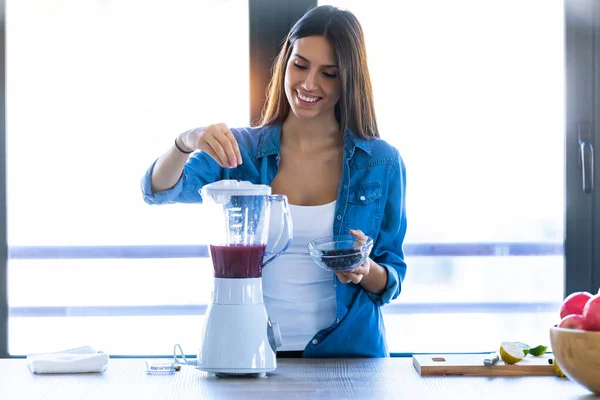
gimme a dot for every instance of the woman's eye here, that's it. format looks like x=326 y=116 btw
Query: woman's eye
x=330 y=75
x=300 y=67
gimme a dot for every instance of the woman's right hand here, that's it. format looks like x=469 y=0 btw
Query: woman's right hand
x=216 y=140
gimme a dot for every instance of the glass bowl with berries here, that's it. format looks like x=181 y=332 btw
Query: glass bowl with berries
x=340 y=253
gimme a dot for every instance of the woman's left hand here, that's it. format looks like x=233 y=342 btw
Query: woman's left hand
x=356 y=275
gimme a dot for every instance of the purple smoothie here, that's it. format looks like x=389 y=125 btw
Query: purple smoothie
x=237 y=261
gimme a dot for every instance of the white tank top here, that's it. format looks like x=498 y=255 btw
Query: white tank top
x=298 y=294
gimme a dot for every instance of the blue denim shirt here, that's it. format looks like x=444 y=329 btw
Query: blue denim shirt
x=371 y=197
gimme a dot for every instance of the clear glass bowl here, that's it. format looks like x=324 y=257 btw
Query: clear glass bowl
x=340 y=253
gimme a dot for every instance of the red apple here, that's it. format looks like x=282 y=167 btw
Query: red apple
x=591 y=314
x=573 y=321
x=574 y=303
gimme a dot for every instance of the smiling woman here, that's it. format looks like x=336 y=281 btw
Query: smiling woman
x=317 y=144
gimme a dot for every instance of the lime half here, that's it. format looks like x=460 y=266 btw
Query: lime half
x=511 y=353
x=538 y=350
x=524 y=347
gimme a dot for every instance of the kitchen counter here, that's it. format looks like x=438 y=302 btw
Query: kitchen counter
x=391 y=378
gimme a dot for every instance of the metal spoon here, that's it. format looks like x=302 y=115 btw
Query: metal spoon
x=488 y=362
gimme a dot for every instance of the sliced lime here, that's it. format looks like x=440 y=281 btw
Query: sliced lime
x=511 y=353
x=538 y=350
x=524 y=347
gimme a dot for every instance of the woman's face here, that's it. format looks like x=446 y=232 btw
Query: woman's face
x=312 y=83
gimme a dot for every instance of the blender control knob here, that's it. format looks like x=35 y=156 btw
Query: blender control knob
x=273 y=335
x=276 y=334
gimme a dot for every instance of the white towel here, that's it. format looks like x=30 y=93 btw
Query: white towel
x=79 y=360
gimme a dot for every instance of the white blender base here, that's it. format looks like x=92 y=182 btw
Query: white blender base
x=235 y=340
x=240 y=372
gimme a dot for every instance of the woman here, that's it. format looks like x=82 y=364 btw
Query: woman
x=319 y=145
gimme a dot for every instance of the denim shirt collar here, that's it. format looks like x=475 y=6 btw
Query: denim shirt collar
x=270 y=142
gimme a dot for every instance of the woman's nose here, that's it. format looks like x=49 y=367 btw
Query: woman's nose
x=310 y=83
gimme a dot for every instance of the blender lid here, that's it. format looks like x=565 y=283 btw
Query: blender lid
x=220 y=191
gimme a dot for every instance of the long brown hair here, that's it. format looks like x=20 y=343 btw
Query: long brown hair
x=355 y=109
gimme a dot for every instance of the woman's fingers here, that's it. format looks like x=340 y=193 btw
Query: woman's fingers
x=354 y=277
x=357 y=233
x=361 y=238
x=343 y=277
x=350 y=276
x=217 y=149
x=362 y=270
x=230 y=145
x=222 y=135
x=214 y=156
x=220 y=143
x=235 y=147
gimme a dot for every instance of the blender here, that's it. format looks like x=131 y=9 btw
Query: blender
x=238 y=337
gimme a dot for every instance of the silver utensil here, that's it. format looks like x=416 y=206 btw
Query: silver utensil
x=488 y=362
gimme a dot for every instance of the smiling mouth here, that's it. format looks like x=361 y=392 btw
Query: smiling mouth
x=308 y=100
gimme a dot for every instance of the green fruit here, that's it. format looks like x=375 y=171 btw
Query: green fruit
x=538 y=350
x=525 y=347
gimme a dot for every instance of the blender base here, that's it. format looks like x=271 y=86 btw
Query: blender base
x=240 y=375
x=238 y=337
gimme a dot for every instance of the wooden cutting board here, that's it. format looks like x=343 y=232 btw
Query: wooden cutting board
x=472 y=365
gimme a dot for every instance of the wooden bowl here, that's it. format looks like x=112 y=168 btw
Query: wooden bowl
x=578 y=355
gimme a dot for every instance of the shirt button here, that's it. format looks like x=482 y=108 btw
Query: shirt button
x=315 y=341
x=345 y=186
x=339 y=217
x=363 y=198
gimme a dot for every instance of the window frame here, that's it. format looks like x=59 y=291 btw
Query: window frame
x=595 y=86
x=582 y=95
x=3 y=238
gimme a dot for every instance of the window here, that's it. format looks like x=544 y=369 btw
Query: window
x=95 y=93
x=477 y=111
x=471 y=94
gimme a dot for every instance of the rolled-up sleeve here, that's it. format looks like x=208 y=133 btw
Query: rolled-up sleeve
x=163 y=197
x=388 y=251
x=199 y=170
